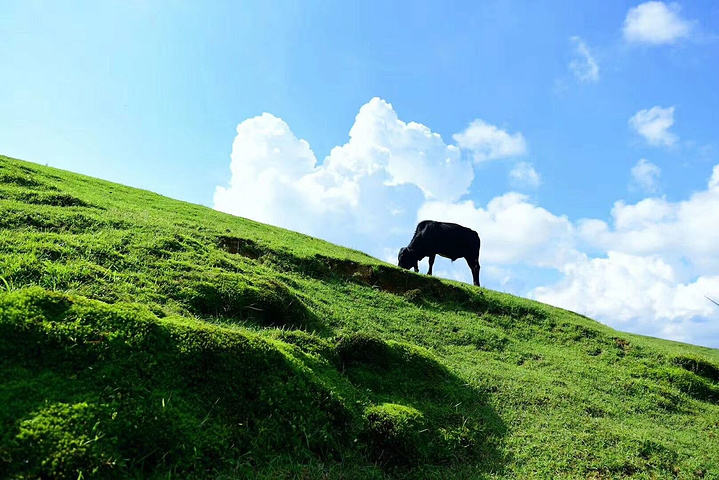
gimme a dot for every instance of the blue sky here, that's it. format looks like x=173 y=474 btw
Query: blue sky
x=580 y=142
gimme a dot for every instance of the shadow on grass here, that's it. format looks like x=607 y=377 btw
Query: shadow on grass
x=416 y=288
x=111 y=390
x=232 y=299
x=420 y=414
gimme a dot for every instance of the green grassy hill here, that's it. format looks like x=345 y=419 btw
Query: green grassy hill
x=144 y=337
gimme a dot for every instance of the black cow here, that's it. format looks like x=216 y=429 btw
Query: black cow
x=447 y=240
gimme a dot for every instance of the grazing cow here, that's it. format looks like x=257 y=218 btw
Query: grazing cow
x=447 y=240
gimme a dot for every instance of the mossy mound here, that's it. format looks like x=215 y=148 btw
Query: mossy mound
x=397 y=434
x=172 y=394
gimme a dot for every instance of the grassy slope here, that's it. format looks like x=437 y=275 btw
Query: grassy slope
x=142 y=336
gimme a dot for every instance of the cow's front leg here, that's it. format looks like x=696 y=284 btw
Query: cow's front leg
x=431 y=263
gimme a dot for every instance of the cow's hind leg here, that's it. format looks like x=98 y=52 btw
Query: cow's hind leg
x=431 y=263
x=474 y=267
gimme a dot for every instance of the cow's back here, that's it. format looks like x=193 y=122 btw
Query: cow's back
x=446 y=239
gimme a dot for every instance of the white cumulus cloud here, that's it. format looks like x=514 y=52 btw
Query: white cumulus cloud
x=655 y=23
x=641 y=291
x=488 y=142
x=685 y=233
x=714 y=180
x=584 y=66
x=654 y=124
x=524 y=175
x=645 y=175
x=662 y=260
x=362 y=195
x=515 y=230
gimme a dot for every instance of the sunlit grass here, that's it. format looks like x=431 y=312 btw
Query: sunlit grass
x=146 y=337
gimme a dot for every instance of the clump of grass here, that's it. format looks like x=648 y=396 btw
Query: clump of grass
x=397 y=435
x=698 y=365
x=53 y=199
x=64 y=441
x=364 y=349
x=19 y=179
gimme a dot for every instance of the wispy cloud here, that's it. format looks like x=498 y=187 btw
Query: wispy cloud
x=524 y=175
x=584 y=66
x=654 y=124
x=645 y=175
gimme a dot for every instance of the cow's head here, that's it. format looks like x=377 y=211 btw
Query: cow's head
x=407 y=259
